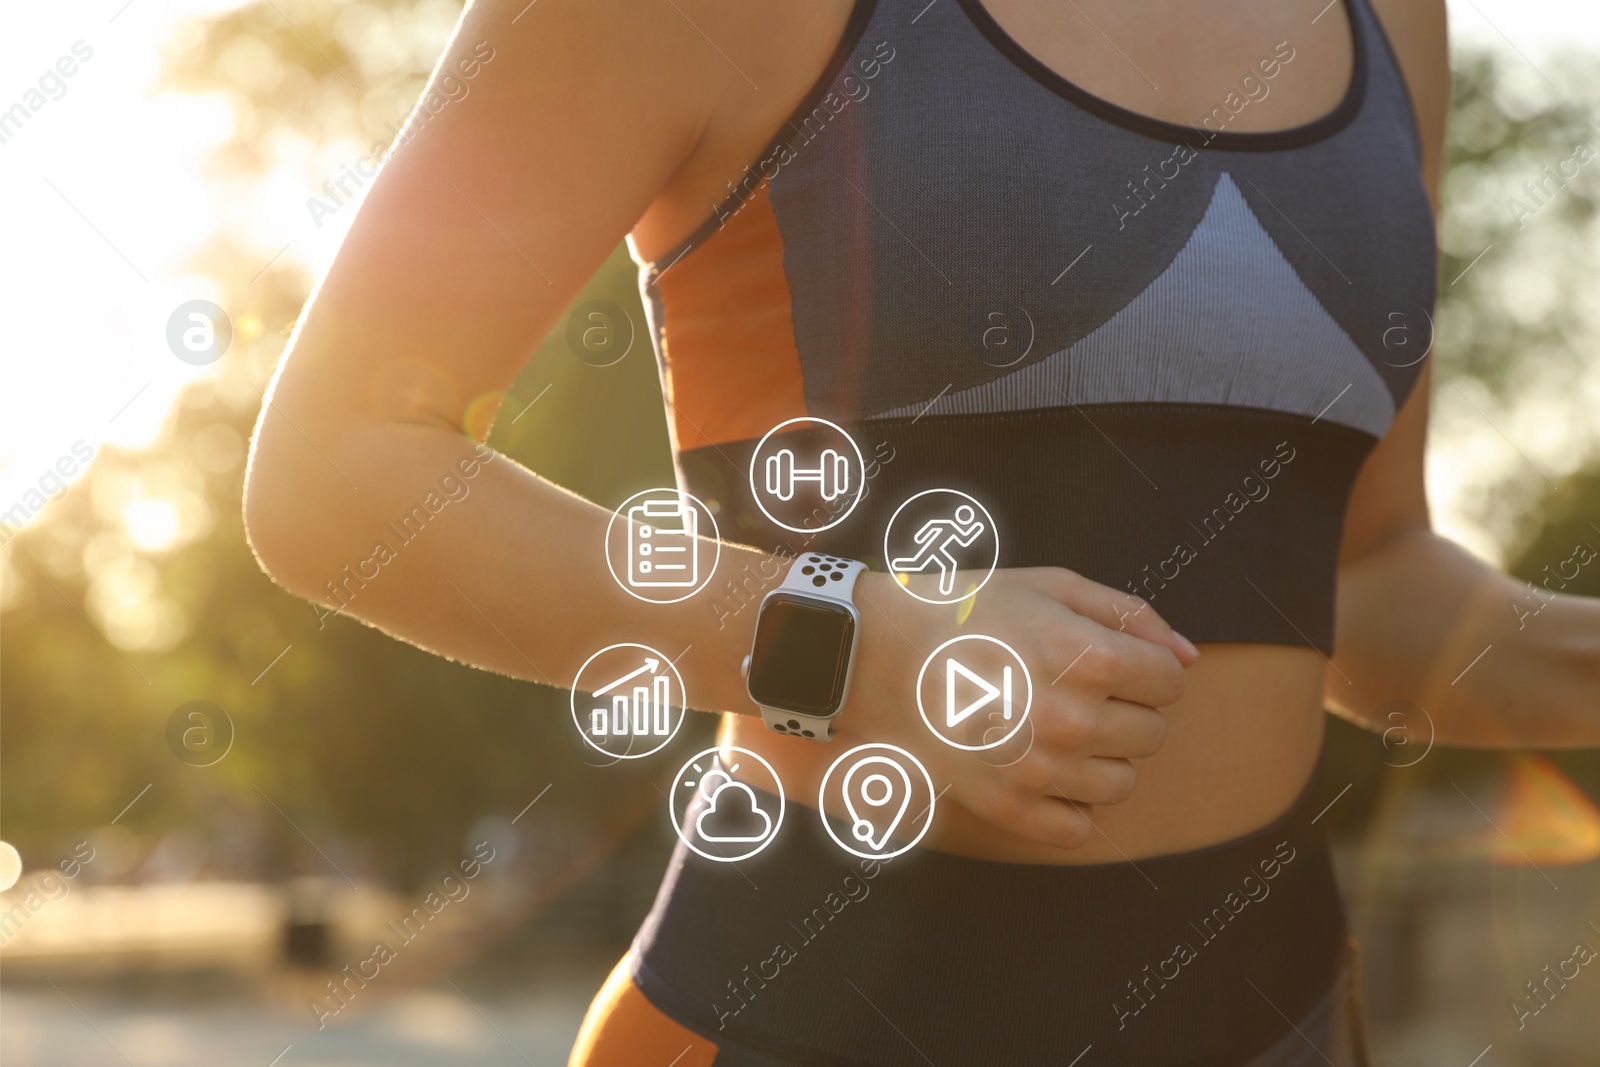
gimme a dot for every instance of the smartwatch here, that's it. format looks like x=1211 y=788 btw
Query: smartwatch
x=798 y=669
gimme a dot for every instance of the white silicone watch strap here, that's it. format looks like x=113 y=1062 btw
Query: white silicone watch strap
x=820 y=575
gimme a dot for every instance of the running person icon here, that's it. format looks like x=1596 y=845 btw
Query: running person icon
x=961 y=531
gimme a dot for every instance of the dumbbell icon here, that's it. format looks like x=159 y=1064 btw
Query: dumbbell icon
x=832 y=474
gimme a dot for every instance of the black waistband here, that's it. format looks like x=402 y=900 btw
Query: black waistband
x=807 y=955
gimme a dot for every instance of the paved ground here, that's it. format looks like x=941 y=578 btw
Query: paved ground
x=1448 y=948
x=426 y=1028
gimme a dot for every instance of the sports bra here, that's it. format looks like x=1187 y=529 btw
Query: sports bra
x=1158 y=353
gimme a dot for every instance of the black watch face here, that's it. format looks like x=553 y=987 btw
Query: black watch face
x=801 y=655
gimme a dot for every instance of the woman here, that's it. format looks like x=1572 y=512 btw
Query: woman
x=1206 y=232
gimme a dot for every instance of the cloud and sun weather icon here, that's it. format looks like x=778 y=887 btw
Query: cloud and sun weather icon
x=727 y=804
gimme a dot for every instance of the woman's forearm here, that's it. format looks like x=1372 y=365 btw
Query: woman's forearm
x=1492 y=662
x=419 y=531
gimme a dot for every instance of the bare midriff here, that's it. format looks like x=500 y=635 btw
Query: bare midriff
x=1240 y=746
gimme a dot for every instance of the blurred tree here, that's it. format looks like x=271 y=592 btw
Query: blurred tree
x=1527 y=307
x=1519 y=313
x=357 y=738
x=1560 y=545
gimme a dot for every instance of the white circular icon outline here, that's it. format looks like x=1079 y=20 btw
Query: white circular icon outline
x=822 y=794
x=716 y=537
x=717 y=750
x=757 y=491
x=683 y=709
x=1027 y=703
x=889 y=556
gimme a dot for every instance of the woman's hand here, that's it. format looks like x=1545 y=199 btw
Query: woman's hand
x=1101 y=663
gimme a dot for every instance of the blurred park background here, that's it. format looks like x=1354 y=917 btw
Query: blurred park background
x=195 y=873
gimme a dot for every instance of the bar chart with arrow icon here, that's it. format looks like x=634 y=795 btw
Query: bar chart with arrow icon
x=634 y=704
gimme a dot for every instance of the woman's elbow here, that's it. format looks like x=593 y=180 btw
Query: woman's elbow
x=276 y=525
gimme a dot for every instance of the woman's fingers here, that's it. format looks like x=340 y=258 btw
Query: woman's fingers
x=1051 y=820
x=1119 y=665
x=1121 y=612
x=1090 y=779
x=1125 y=731
x=1109 y=661
x=1094 y=780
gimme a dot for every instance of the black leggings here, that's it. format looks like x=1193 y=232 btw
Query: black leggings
x=805 y=954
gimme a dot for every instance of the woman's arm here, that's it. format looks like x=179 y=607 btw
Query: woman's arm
x=476 y=235
x=1419 y=619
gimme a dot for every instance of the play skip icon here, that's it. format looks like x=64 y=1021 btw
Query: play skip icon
x=999 y=686
x=955 y=715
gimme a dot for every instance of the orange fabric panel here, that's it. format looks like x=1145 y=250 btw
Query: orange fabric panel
x=623 y=1029
x=732 y=366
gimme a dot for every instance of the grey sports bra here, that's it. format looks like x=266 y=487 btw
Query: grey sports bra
x=1158 y=353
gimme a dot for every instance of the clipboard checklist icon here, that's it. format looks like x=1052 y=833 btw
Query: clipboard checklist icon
x=663 y=545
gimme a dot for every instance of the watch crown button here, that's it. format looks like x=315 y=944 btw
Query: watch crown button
x=744 y=668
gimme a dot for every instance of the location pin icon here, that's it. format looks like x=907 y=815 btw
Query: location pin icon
x=874 y=791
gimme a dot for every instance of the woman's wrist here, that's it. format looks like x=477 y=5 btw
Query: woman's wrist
x=883 y=685
x=719 y=628
x=720 y=631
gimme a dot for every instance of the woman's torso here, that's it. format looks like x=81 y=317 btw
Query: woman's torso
x=1248 y=731
x=1240 y=746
